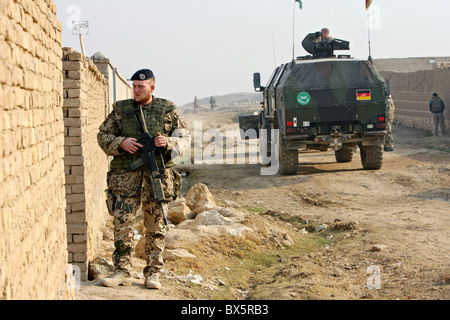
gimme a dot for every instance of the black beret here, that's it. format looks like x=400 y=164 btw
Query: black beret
x=144 y=74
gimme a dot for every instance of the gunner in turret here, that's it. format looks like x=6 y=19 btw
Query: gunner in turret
x=325 y=34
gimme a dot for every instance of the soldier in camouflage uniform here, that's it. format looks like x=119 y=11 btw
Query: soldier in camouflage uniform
x=196 y=104
x=213 y=103
x=390 y=110
x=127 y=189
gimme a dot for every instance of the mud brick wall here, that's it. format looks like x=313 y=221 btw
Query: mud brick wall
x=407 y=65
x=412 y=92
x=33 y=246
x=119 y=88
x=85 y=105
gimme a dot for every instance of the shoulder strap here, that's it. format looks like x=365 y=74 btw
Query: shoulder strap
x=168 y=105
x=120 y=106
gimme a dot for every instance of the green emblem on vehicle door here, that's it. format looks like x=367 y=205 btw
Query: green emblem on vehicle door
x=303 y=98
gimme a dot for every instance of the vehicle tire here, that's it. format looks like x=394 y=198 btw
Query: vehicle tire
x=372 y=157
x=344 y=155
x=288 y=159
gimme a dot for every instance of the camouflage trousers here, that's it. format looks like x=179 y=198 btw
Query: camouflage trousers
x=389 y=143
x=124 y=242
x=127 y=190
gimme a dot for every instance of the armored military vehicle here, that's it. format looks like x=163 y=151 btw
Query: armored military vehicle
x=322 y=101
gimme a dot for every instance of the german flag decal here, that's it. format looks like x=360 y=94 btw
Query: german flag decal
x=363 y=95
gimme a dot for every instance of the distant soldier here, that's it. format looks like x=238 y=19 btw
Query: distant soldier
x=213 y=104
x=390 y=109
x=196 y=104
x=437 y=108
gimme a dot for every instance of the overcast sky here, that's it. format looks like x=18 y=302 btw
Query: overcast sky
x=213 y=47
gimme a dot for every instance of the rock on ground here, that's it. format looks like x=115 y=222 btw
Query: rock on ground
x=199 y=199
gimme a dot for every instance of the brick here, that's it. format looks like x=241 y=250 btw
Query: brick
x=80 y=257
x=73 y=113
x=78 y=217
x=79 y=206
x=75 y=56
x=76 y=75
x=71 y=66
x=74 y=198
x=76 y=151
x=73 y=141
x=74 y=179
x=71 y=84
x=72 y=122
x=76 y=228
x=80 y=238
x=77 y=247
x=73 y=93
x=73 y=160
x=74 y=132
x=78 y=170
x=78 y=188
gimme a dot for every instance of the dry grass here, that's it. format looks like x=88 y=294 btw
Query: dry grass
x=274 y=262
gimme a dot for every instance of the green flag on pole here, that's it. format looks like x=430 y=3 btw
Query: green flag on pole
x=300 y=3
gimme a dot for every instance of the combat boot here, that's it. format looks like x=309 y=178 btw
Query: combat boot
x=118 y=278
x=152 y=281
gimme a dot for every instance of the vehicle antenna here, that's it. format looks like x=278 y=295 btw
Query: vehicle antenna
x=293 y=27
x=368 y=3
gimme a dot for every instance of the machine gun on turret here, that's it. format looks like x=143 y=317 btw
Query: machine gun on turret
x=323 y=48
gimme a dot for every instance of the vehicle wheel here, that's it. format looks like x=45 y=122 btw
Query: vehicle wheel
x=372 y=157
x=344 y=155
x=288 y=159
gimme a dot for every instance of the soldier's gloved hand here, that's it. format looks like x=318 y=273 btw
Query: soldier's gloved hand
x=160 y=141
x=130 y=145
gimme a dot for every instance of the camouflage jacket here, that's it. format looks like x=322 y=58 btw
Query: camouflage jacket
x=390 y=109
x=174 y=129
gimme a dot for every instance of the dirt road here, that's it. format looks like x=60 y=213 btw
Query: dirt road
x=397 y=245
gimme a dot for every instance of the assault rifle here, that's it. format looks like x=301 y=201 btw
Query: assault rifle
x=148 y=159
